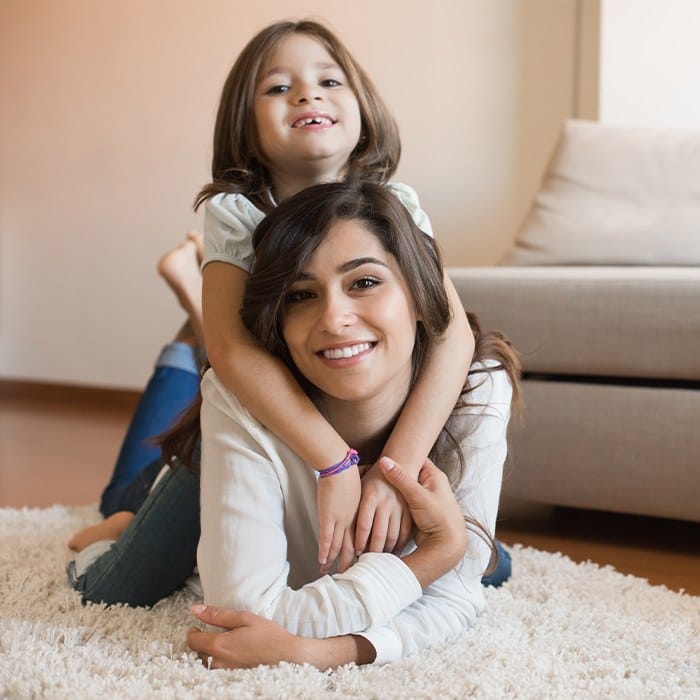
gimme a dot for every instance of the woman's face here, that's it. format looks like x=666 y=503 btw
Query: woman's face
x=350 y=321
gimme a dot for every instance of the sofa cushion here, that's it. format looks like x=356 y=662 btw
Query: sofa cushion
x=637 y=322
x=616 y=196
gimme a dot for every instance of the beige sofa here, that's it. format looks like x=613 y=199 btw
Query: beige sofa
x=610 y=340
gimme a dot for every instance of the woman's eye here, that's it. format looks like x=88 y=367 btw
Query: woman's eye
x=366 y=283
x=296 y=296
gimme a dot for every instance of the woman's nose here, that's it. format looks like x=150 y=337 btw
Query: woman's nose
x=336 y=314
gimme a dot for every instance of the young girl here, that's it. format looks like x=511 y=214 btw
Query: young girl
x=297 y=110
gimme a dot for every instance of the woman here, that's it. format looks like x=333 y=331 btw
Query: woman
x=348 y=291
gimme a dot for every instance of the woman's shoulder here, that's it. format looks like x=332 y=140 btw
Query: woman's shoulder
x=215 y=393
x=488 y=386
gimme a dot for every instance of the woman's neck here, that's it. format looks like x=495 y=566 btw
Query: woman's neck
x=364 y=425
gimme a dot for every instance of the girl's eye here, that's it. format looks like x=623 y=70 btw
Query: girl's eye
x=330 y=83
x=366 y=283
x=298 y=295
x=277 y=90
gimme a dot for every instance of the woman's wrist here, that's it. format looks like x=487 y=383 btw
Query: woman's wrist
x=434 y=556
x=335 y=651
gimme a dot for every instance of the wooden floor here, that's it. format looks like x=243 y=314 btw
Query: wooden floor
x=59 y=445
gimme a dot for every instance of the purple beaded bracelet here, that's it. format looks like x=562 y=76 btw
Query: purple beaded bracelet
x=350 y=460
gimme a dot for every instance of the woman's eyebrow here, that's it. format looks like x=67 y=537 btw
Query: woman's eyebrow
x=346 y=267
x=358 y=262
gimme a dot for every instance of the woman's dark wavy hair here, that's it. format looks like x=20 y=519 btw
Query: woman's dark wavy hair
x=238 y=164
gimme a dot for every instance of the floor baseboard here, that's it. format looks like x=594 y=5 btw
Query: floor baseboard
x=11 y=389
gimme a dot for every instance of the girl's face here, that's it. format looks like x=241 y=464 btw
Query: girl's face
x=350 y=321
x=307 y=116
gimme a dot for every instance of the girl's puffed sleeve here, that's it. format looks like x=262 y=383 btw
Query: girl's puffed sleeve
x=229 y=222
x=409 y=198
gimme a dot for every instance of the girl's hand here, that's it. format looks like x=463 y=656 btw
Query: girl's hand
x=383 y=513
x=337 y=497
x=247 y=641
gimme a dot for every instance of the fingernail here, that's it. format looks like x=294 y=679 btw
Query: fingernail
x=198 y=609
x=388 y=463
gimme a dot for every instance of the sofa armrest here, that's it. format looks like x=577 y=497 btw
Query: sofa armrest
x=637 y=322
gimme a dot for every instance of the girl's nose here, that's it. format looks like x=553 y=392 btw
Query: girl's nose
x=307 y=93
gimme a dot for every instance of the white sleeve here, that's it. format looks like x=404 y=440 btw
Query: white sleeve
x=451 y=604
x=229 y=223
x=247 y=502
x=409 y=198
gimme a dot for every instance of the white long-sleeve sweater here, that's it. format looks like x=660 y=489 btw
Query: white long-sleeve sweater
x=259 y=543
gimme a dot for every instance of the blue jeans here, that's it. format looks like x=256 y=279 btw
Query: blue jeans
x=503 y=568
x=170 y=390
x=156 y=553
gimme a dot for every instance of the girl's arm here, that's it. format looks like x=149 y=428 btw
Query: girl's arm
x=382 y=511
x=270 y=392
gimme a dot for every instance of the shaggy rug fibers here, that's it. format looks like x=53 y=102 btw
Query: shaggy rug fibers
x=556 y=630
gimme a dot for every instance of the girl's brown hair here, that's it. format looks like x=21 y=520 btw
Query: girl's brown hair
x=238 y=165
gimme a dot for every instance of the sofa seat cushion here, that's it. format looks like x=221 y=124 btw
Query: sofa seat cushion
x=635 y=322
x=628 y=449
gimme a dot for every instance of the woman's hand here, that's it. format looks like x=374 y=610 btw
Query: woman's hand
x=384 y=513
x=442 y=535
x=248 y=640
x=337 y=497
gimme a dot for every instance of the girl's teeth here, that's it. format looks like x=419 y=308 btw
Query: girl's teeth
x=348 y=351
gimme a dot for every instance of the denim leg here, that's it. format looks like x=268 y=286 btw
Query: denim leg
x=502 y=571
x=155 y=554
x=171 y=389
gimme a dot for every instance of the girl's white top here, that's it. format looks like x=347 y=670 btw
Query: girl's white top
x=259 y=544
x=230 y=220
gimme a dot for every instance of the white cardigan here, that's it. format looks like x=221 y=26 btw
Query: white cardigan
x=259 y=544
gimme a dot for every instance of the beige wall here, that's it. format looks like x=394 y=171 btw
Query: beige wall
x=649 y=58
x=107 y=112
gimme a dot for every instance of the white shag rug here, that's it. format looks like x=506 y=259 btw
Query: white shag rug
x=556 y=630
